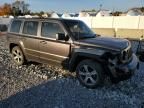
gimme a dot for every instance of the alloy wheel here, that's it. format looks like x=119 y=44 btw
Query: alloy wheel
x=88 y=75
x=17 y=56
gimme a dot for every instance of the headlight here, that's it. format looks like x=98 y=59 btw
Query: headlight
x=126 y=55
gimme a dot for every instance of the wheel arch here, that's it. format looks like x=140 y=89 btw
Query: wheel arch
x=11 y=46
x=78 y=57
x=20 y=44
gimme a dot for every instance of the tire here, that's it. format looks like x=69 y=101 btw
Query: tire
x=90 y=73
x=141 y=57
x=17 y=55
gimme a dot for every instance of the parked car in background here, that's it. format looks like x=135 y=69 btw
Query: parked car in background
x=71 y=44
x=3 y=27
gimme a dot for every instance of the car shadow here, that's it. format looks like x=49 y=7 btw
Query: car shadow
x=60 y=93
x=56 y=93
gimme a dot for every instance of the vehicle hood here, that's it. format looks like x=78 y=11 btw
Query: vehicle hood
x=106 y=42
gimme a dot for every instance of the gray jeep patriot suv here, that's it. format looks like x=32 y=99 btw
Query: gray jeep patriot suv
x=71 y=44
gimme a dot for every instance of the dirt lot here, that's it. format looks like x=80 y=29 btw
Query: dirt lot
x=42 y=86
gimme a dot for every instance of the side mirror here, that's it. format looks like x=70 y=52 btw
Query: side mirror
x=60 y=36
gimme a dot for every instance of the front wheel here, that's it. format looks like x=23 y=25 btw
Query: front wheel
x=90 y=73
x=141 y=57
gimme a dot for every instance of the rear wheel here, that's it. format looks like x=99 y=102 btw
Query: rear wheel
x=90 y=73
x=17 y=55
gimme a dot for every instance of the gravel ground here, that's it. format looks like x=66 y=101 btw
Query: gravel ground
x=42 y=86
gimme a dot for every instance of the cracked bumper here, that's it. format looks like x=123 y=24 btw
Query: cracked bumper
x=125 y=71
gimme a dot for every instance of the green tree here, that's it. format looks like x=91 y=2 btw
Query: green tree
x=93 y=10
x=142 y=9
x=116 y=13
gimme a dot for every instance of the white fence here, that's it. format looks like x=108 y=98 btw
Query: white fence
x=118 y=26
x=128 y=22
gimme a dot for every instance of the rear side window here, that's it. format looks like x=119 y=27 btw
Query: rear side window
x=30 y=27
x=50 y=29
x=15 y=26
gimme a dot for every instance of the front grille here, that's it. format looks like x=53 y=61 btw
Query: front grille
x=126 y=55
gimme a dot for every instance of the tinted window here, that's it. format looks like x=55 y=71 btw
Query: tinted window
x=50 y=29
x=15 y=26
x=30 y=27
x=79 y=29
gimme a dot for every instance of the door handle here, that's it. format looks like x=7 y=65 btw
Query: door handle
x=43 y=42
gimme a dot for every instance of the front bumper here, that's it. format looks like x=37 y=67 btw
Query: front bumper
x=125 y=71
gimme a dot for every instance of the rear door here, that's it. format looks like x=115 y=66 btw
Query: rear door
x=30 y=39
x=52 y=50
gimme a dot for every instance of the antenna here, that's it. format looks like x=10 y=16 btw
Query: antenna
x=141 y=3
x=100 y=6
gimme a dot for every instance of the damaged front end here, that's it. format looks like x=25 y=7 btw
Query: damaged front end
x=121 y=65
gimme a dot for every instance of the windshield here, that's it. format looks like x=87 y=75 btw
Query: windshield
x=79 y=29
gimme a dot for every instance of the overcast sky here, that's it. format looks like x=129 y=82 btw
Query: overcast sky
x=77 y=5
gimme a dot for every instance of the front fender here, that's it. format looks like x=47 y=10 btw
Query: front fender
x=78 y=56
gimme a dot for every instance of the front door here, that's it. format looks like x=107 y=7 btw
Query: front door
x=52 y=50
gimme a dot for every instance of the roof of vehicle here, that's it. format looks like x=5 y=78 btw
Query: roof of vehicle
x=57 y=19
